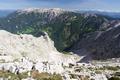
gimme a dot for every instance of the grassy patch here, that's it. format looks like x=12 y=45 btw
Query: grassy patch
x=7 y=74
x=109 y=68
x=114 y=78
x=35 y=74
x=45 y=76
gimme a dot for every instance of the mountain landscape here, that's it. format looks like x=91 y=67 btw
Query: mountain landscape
x=60 y=43
x=75 y=24
x=101 y=44
x=66 y=28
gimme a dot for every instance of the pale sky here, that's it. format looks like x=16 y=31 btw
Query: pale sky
x=107 y=5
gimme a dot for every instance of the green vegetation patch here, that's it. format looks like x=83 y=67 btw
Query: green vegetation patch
x=45 y=76
x=114 y=78
x=35 y=74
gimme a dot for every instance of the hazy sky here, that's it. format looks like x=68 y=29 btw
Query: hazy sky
x=109 y=5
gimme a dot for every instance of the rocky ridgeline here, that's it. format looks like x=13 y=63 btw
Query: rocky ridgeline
x=23 y=52
x=51 y=11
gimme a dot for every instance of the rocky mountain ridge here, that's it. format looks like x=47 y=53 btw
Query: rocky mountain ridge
x=41 y=10
x=35 y=49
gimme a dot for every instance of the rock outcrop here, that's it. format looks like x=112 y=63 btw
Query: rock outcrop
x=14 y=47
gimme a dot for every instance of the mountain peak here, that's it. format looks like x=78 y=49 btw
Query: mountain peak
x=42 y=10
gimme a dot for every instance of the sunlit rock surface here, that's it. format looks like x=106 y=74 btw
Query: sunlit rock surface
x=36 y=49
x=26 y=51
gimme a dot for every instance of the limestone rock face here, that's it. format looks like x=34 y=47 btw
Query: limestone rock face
x=40 y=49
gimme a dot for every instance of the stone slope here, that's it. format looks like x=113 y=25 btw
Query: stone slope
x=40 y=49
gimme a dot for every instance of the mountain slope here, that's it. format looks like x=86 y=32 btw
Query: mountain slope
x=114 y=15
x=64 y=27
x=100 y=44
x=15 y=47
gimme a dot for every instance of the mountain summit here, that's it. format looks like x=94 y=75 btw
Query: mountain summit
x=55 y=11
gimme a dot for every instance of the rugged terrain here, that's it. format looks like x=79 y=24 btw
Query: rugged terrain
x=100 y=44
x=14 y=47
x=27 y=55
x=27 y=52
x=63 y=27
x=70 y=30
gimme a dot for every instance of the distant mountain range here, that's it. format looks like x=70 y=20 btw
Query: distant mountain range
x=104 y=13
x=70 y=30
x=4 y=13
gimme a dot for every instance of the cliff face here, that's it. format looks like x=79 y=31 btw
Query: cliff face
x=14 y=47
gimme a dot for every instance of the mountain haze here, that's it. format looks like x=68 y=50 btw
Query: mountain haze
x=4 y=13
